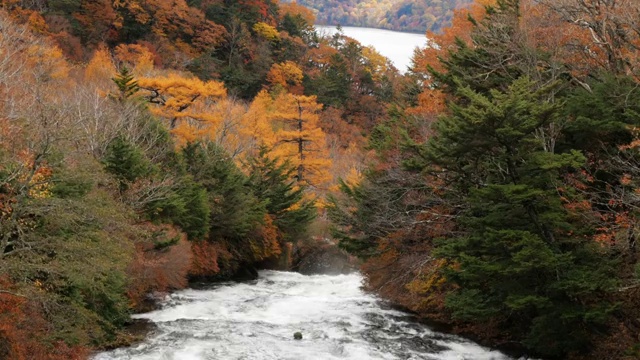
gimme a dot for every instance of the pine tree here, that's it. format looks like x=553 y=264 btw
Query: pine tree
x=603 y=116
x=126 y=83
x=271 y=180
x=603 y=125
x=523 y=258
x=126 y=162
x=195 y=219
x=235 y=210
x=496 y=56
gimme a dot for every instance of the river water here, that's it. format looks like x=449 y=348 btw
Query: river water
x=256 y=321
x=397 y=46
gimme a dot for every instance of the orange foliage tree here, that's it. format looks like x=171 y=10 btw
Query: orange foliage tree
x=137 y=57
x=298 y=137
x=175 y=20
x=161 y=263
x=294 y=9
x=431 y=101
x=182 y=98
x=288 y=75
x=205 y=259
x=609 y=31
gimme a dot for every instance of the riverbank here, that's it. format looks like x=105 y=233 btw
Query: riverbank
x=313 y=256
x=415 y=287
x=257 y=320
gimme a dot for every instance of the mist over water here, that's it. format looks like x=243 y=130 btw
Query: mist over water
x=397 y=46
x=257 y=320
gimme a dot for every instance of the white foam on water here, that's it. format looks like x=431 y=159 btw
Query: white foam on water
x=257 y=320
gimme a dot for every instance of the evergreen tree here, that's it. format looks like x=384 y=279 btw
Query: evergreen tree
x=602 y=124
x=126 y=162
x=126 y=83
x=272 y=180
x=185 y=204
x=355 y=213
x=386 y=202
x=333 y=86
x=603 y=116
x=523 y=258
x=235 y=210
x=496 y=57
x=297 y=26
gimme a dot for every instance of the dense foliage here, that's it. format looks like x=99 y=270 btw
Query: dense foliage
x=493 y=187
x=146 y=143
x=496 y=203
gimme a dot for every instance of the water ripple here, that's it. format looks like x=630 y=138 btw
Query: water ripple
x=256 y=321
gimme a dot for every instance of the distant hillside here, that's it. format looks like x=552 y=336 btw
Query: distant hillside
x=400 y=15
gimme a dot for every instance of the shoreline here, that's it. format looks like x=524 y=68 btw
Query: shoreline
x=421 y=33
x=138 y=330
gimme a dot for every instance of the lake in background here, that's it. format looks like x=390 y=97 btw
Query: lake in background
x=397 y=46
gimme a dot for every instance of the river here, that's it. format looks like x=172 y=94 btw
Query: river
x=397 y=46
x=256 y=321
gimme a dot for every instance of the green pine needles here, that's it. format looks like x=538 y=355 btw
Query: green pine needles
x=523 y=257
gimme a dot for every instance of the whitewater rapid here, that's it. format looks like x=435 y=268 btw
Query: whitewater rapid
x=256 y=321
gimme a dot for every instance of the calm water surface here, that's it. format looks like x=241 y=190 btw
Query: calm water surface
x=397 y=46
x=257 y=320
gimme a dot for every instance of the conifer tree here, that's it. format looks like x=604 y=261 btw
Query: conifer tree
x=498 y=54
x=235 y=210
x=603 y=117
x=271 y=180
x=126 y=162
x=299 y=137
x=523 y=258
x=603 y=124
x=126 y=83
x=194 y=219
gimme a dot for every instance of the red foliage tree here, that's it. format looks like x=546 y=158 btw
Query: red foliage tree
x=205 y=259
x=159 y=265
x=23 y=329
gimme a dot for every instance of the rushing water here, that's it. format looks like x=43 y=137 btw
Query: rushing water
x=397 y=46
x=257 y=320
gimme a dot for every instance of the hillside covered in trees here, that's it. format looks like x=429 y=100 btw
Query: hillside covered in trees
x=144 y=144
x=503 y=201
x=493 y=188
x=399 y=15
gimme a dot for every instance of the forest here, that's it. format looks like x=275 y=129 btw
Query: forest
x=493 y=189
x=399 y=15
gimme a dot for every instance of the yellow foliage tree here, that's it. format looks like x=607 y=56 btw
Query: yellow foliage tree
x=299 y=138
x=286 y=74
x=183 y=98
x=288 y=125
x=228 y=132
x=266 y=31
x=376 y=64
x=256 y=129
x=47 y=63
x=100 y=68
x=136 y=57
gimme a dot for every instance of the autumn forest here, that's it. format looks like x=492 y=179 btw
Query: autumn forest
x=493 y=189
